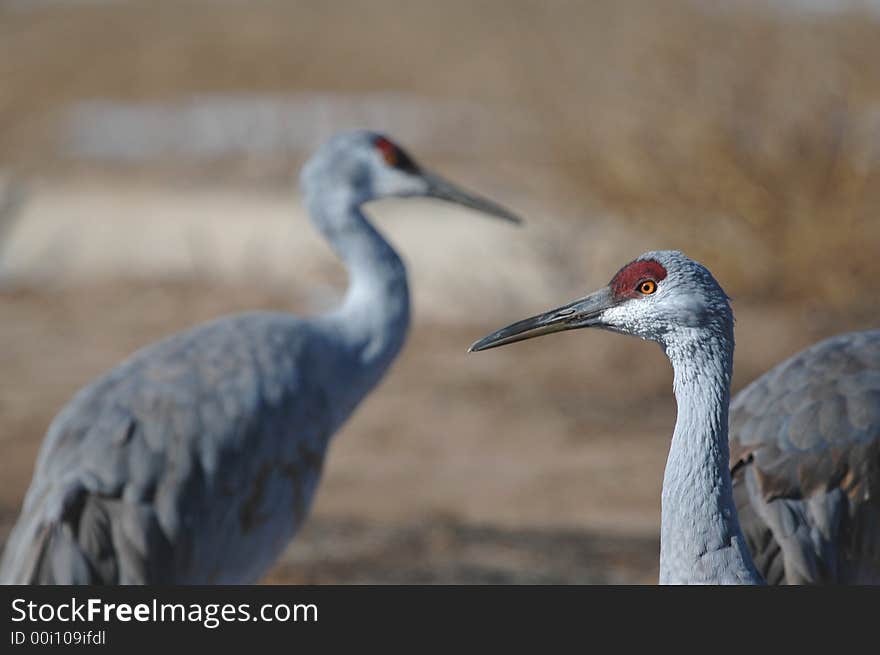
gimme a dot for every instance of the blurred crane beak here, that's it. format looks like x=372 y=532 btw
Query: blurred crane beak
x=586 y=312
x=445 y=190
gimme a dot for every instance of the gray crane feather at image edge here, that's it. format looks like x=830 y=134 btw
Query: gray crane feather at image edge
x=805 y=460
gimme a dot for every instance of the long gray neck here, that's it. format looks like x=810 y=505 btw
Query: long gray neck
x=700 y=537
x=373 y=319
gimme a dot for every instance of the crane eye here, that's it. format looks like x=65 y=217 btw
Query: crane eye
x=395 y=157
x=388 y=150
x=647 y=287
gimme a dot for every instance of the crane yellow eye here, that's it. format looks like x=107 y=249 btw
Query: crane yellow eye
x=395 y=157
x=647 y=287
x=389 y=151
x=390 y=157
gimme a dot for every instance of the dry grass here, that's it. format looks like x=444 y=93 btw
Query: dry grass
x=748 y=138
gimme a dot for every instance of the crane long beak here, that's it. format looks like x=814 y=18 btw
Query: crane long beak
x=445 y=190
x=586 y=312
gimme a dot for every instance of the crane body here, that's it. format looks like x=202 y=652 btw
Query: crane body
x=196 y=460
x=805 y=461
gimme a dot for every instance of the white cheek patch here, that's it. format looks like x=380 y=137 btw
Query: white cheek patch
x=638 y=317
x=618 y=316
x=396 y=183
x=629 y=316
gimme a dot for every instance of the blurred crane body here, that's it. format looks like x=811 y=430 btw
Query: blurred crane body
x=196 y=459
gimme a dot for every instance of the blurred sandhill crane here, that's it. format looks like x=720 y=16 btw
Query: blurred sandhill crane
x=805 y=461
x=196 y=459
x=804 y=438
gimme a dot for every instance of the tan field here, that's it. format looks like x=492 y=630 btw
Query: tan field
x=747 y=137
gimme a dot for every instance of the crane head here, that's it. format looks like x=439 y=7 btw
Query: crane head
x=663 y=296
x=371 y=166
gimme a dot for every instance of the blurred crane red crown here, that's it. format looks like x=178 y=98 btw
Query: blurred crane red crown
x=395 y=156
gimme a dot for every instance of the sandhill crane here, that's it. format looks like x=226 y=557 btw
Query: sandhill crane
x=666 y=297
x=804 y=437
x=805 y=462
x=196 y=459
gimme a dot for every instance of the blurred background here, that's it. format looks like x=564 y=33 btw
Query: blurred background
x=148 y=160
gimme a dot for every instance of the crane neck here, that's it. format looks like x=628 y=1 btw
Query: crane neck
x=700 y=537
x=373 y=319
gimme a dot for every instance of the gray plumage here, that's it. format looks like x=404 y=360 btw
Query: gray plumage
x=805 y=460
x=668 y=298
x=196 y=460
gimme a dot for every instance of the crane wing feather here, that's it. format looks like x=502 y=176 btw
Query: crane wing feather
x=167 y=467
x=805 y=459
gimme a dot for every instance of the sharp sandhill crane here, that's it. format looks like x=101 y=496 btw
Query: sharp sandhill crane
x=666 y=297
x=805 y=462
x=195 y=460
x=804 y=438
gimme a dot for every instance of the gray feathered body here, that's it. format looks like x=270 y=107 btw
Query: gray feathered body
x=196 y=460
x=805 y=462
x=192 y=462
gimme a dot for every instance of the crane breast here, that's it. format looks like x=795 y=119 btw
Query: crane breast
x=213 y=440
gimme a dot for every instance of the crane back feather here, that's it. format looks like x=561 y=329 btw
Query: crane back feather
x=805 y=462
